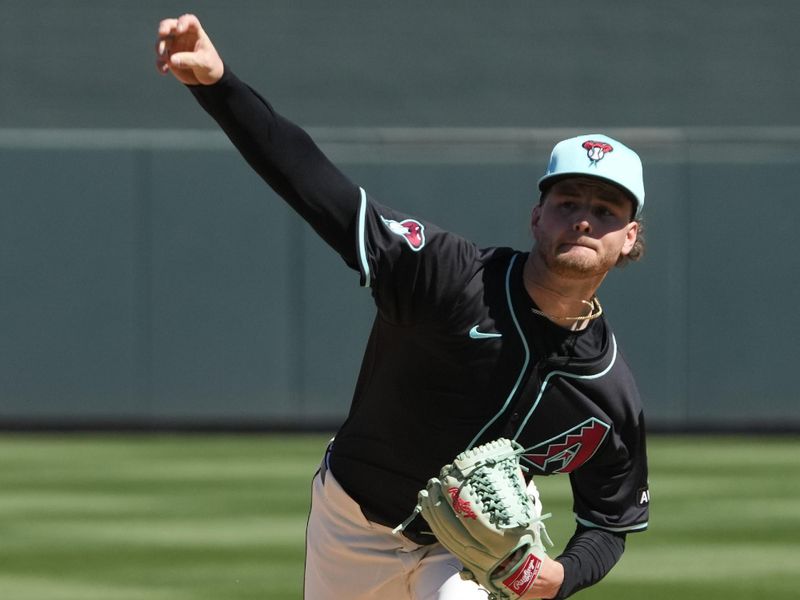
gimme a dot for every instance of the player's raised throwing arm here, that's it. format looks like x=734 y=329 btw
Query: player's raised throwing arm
x=278 y=150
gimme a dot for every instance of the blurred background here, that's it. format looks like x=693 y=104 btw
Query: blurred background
x=150 y=282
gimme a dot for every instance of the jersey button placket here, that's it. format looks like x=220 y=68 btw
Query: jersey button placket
x=524 y=401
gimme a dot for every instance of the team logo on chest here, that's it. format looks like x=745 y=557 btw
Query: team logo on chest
x=410 y=229
x=568 y=451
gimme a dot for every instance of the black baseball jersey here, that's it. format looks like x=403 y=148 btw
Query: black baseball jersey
x=456 y=357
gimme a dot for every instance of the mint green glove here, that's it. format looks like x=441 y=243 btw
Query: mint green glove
x=479 y=509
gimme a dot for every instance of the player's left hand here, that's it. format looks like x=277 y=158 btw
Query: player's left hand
x=548 y=582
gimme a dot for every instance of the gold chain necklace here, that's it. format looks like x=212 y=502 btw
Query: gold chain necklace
x=595 y=310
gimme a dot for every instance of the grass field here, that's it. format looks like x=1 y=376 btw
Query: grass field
x=92 y=517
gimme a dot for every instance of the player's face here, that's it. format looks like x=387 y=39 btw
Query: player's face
x=582 y=227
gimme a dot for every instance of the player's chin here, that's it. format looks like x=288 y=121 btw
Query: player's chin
x=582 y=262
x=576 y=264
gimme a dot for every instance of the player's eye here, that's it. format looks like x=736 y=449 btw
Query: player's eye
x=604 y=211
x=568 y=205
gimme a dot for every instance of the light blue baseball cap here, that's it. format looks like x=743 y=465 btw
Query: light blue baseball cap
x=597 y=155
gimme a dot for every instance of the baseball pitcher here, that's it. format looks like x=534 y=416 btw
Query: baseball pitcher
x=485 y=369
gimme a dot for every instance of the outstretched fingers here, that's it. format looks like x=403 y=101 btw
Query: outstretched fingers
x=176 y=35
x=167 y=27
x=183 y=47
x=183 y=24
x=167 y=31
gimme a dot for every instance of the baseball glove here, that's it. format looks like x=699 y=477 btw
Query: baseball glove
x=479 y=509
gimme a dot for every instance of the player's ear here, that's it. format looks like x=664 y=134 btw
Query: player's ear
x=536 y=215
x=630 y=237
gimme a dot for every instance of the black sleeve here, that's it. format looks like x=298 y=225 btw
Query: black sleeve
x=286 y=157
x=588 y=557
x=403 y=259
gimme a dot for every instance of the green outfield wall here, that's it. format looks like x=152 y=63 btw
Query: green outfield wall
x=149 y=278
x=159 y=280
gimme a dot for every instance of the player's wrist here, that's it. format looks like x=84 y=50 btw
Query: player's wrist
x=548 y=583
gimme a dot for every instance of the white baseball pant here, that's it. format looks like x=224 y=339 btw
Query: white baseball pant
x=351 y=558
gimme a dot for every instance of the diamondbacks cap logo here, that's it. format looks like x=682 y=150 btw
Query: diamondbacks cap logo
x=568 y=451
x=596 y=150
x=460 y=506
x=521 y=579
x=410 y=229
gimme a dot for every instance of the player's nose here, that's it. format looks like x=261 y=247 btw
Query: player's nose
x=582 y=223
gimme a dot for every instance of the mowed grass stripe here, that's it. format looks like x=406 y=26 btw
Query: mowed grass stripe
x=173 y=533
x=708 y=560
x=57 y=588
x=208 y=517
x=151 y=517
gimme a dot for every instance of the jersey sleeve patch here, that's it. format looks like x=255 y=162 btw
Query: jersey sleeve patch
x=414 y=269
x=411 y=230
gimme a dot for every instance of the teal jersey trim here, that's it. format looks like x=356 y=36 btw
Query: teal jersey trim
x=524 y=345
x=566 y=374
x=591 y=525
x=362 y=248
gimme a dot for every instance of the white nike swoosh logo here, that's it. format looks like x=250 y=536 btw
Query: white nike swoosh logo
x=479 y=335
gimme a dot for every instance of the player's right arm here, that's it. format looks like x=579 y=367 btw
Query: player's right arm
x=278 y=150
x=408 y=284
